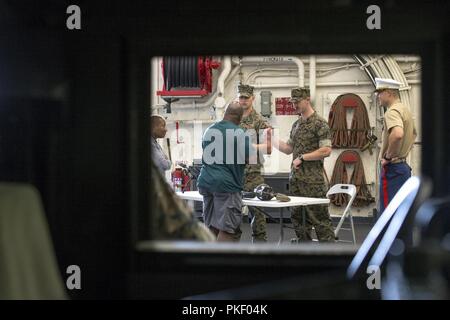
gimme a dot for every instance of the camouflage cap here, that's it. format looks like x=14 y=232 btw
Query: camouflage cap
x=245 y=90
x=299 y=93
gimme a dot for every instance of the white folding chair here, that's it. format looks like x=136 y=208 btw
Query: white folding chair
x=349 y=189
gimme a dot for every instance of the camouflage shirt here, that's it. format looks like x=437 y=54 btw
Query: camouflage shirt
x=307 y=136
x=254 y=121
x=171 y=218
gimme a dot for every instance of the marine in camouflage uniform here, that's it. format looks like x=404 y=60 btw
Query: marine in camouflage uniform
x=172 y=220
x=308 y=135
x=256 y=123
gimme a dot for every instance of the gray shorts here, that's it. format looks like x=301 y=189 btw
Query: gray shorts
x=222 y=211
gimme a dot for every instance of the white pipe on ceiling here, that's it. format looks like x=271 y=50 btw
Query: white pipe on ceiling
x=223 y=75
x=380 y=71
x=254 y=74
x=279 y=60
x=257 y=60
x=399 y=76
x=338 y=60
x=318 y=84
x=322 y=84
x=312 y=77
x=155 y=80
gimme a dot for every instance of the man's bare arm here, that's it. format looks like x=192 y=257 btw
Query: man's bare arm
x=283 y=146
x=318 y=154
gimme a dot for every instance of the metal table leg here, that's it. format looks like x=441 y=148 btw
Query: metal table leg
x=304 y=223
x=281 y=227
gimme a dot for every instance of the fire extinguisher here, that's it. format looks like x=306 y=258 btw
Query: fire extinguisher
x=180 y=180
x=177 y=179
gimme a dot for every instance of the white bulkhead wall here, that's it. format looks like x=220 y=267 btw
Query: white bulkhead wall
x=335 y=75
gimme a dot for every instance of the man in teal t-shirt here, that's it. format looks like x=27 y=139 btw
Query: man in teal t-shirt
x=226 y=150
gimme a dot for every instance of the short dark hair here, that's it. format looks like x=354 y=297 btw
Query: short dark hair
x=395 y=92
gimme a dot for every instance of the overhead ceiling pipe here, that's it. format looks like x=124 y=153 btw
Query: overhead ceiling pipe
x=279 y=60
x=156 y=63
x=399 y=76
x=223 y=75
x=318 y=84
x=312 y=77
x=219 y=102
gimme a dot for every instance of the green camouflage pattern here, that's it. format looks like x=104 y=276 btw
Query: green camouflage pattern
x=245 y=90
x=258 y=224
x=171 y=218
x=255 y=123
x=316 y=216
x=308 y=181
x=253 y=178
x=300 y=93
x=307 y=136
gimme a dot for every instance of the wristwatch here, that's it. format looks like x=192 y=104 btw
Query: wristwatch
x=386 y=158
x=301 y=158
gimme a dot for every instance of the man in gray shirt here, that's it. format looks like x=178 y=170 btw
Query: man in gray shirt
x=159 y=130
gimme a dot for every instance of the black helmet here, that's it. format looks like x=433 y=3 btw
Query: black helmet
x=264 y=192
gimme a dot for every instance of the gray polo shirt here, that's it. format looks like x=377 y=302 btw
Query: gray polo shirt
x=159 y=158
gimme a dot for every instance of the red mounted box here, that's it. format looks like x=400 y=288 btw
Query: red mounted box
x=283 y=107
x=279 y=107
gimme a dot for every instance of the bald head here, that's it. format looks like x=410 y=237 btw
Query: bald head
x=234 y=113
x=158 y=126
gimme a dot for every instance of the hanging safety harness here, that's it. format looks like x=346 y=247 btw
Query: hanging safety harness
x=358 y=135
x=358 y=178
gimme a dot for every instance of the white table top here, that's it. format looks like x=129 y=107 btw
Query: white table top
x=255 y=202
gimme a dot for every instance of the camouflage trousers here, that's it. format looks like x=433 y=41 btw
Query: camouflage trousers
x=258 y=224
x=306 y=217
x=258 y=219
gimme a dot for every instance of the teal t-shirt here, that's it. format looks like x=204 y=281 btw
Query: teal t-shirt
x=226 y=149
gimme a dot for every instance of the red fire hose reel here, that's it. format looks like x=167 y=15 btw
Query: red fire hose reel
x=187 y=76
